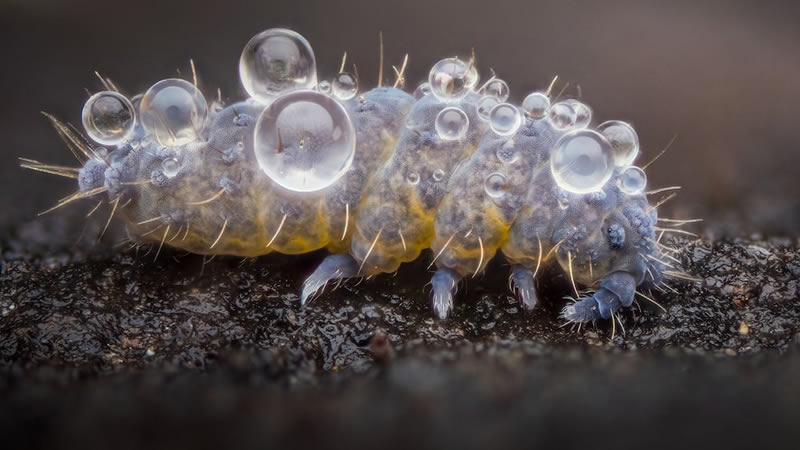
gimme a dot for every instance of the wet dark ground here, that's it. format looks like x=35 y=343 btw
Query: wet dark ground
x=104 y=347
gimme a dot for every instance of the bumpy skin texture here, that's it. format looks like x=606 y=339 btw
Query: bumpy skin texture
x=220 y=202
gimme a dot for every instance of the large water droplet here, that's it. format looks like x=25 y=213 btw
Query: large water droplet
x=536 y=105
x=495 y=185
x=581 y=161
x=276 y=61
x=108 y=118
x=450 y=79
x=623 y=139
x=505 y=119
x=344 y=86
x=174 y=111
x=632 y=180
x=451 y=123
x=304 y=141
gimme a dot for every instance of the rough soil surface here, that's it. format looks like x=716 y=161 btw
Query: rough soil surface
x=107 y=348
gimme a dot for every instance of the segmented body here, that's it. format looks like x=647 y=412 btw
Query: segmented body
x=407 y=190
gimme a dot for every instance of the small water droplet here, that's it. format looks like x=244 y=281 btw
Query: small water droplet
x=170 y=167
x=450 y=80
x=505 y=119
x=623 y=139
x=632 y=180
x=108 y=118
x=562 y=115
x=413 y=178
x=498 y=89
x=438 y=175
x=485 y=105
x=536 y=105
x=451 y=123
x=344 y=86
x=496 y=185
x=277 y=61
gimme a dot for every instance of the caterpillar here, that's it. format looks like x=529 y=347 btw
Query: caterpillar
x=377 y=177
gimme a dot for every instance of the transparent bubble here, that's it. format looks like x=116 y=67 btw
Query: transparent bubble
x=344 y=86
x=108 y=118
x=623 y=139
x=170 y=167
x=563 y=202
x=438 y=175
x=324 y=87
x=174 y=111
x=496 y=185
x=485 y=105
x=422 y=90
x=506 y=153
x=632 y=180
x=450 y=79
x=276 y=61
x=472 y=75
x=562 y=115
x=451 y=123
x=505 y=119
x=536 y=105
x=581 y=161
x=413 y=178
x=304 y=141
x=498 y=89
x=583 y=114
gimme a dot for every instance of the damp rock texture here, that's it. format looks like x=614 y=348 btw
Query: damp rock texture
x=107 y=348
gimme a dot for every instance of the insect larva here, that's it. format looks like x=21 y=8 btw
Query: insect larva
x=378 y=177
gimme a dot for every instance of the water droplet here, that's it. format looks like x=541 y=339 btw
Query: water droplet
x=581 y=161
x=505 y=119
x=422 y=90
x=451 y=123
x=450 y=80
x=108 y=118
x=304 y=141
x=170 y=167
x=438 y=175
x=498 y=89
x=174 y=111
x=536 y=105
x=276 y=61
x=583 y=114
x=623 y=139
x=506 y=153
x=485 y=105
x=344 y=86
x=496 y=185
x=562 y=115
x=632 y=180
x=413 y=178
x=563 y=202
x=324 y=86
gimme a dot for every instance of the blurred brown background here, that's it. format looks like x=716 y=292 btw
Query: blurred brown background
x=722 y=75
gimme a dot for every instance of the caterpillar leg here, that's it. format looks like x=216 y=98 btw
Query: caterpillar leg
x=445 y=285
x=523 y=285
x=616 y=290
x=333 y=268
